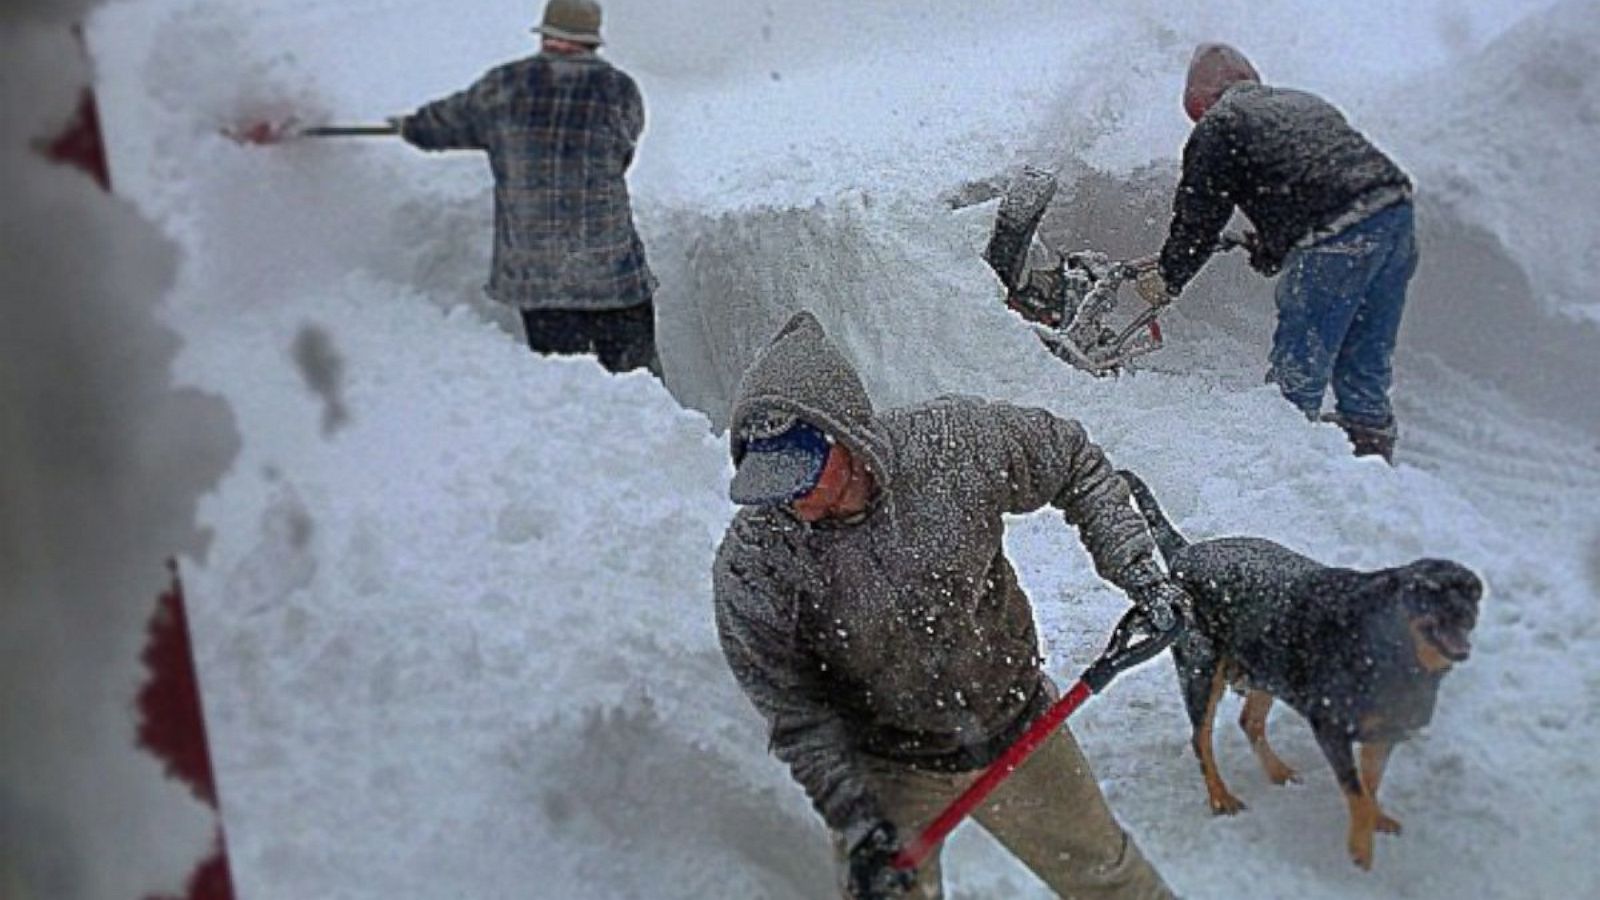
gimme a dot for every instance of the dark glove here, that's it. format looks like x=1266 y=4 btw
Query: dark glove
x=1251 y=242
x=1166 y=607
x=872 y=877
x=398 y=123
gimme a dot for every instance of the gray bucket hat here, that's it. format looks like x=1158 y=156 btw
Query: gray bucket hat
x=572 y=20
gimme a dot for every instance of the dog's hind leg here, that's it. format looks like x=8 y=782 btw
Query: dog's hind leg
x=1336 y=746
x=1253 y=719
x=1203 y=674
x=1374 y=757
x=1203 y=686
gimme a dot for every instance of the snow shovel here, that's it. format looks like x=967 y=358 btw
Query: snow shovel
x=1132 y=642
x=267 y=132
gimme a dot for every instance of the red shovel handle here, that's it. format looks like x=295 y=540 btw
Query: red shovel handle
x=1134 y=641
x=916 y=852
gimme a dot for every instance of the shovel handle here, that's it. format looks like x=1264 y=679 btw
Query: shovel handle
x=916 y=853
x=349 y=131
x=1132 y=642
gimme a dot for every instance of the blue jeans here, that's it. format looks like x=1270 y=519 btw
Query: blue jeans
x=1339 y=305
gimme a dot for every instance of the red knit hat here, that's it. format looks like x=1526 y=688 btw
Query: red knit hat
x=1214 y=69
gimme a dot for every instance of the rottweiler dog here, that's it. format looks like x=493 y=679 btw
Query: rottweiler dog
x=1359 y=654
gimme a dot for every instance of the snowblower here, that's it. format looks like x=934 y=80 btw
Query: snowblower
x=1070 y=298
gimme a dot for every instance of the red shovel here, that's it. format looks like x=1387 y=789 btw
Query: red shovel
x=1133 y=642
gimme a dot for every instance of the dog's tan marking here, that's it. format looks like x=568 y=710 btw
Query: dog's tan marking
x=1223 y=803
x=1374 y=757
x=1428 y=656
x=1363 y=821
x=1369 y=724
x=1254 y=722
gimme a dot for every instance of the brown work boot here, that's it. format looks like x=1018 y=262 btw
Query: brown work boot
x=1368 y=440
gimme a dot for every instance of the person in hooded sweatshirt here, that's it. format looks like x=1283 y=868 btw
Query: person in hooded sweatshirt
x=1331 y=213
x=865 y=604
x=560 y=129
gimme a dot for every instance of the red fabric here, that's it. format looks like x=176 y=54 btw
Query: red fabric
x=173 y=729
x=1214 y=68
x=171 y=726
x=79 y=144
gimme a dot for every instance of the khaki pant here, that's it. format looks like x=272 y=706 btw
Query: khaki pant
x=1049 y=813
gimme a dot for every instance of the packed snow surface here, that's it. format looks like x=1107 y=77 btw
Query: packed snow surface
x=455 y=627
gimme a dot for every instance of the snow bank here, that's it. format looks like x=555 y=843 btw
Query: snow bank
x=1530 y=103
x=468 y=629
x=1502 y=144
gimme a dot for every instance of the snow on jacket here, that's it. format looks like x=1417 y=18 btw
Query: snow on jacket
x=1288 y=160
x=560 y=132
x=903 y=635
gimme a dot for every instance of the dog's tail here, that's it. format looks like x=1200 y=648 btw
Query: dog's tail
x=1167 y=538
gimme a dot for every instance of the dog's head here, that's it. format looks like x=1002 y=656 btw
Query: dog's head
x=1439 y=599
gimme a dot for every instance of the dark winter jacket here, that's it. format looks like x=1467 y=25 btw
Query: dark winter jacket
x=560 y=132
x=904 y=635
x=1288 y=160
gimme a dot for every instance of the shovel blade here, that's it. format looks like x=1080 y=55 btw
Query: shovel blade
x=263 y=132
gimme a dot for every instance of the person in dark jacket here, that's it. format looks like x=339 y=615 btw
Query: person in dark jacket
x=560 y=129
x=866 y=606
x=1331 y=212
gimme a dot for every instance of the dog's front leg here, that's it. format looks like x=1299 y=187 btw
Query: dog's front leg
x=1338 y=748
x=1374 y=757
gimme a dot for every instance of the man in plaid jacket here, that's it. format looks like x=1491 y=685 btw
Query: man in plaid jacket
x=560 y=129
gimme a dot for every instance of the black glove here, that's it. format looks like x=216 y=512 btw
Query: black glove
x=872 y=877
x=1166 y=607
x=1251 y=242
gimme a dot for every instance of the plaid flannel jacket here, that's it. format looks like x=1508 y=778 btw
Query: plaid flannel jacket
x=560 y=132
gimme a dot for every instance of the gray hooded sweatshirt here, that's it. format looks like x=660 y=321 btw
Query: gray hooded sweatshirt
x=903 y=634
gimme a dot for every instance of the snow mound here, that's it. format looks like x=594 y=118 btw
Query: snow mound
x=1531 y=104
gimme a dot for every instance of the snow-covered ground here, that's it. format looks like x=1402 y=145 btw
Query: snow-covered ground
x=454 y=625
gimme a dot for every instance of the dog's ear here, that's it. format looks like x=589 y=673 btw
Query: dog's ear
x=1437 y=585
x=1382 y=588
x=1445 y=575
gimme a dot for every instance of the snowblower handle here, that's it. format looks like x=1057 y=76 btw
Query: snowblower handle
x=1132 y=642
x=1133 y=268
x=1230 y=240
